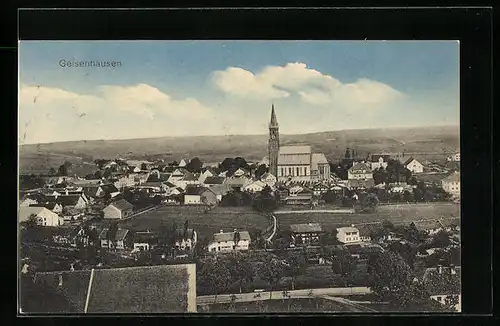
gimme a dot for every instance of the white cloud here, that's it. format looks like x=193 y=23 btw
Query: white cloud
x=311 y=86
x=54 y=114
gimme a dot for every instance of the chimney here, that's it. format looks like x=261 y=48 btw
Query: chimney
x=440 y=269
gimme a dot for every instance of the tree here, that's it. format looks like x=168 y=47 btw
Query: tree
x=226 y=164
x=406 y=251
x=343 y=263
x=195 y=165
x=296 y=266
x=369 y=203
x=329 y=238
x=65 y=168
x=261 y=170
x=329 y=197
x=390 y=276
x=407 y=196
x=240 y=269
x=271 y=272
x=52 y=171
x=441 y=239
x=379 y=176
x=388 y=225
x=213 y=276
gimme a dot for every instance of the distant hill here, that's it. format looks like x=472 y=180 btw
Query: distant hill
x=429 y=141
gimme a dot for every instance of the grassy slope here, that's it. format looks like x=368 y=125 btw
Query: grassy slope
x=252 y=147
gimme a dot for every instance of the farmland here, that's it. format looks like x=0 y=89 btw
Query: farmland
x=206 y=224
x=397 y=214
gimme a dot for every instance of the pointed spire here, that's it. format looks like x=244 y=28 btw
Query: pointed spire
x=274 y=121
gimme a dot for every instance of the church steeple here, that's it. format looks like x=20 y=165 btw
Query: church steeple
x=273 y=144
x=274 y=121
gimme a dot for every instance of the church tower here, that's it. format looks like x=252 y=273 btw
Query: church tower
x=274 y=144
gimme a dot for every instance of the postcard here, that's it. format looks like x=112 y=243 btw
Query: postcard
x=239 y=176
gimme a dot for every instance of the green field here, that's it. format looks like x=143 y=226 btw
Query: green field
x=397 y=214
x=206 y=224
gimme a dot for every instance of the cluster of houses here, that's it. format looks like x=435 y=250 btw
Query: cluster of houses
x=360 y=173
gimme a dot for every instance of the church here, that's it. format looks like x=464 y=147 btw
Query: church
x=295 y=163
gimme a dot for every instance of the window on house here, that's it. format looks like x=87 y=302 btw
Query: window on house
x=289 y=171
x=439 y=299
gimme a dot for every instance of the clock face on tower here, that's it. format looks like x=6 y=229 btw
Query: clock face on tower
x=273 y=136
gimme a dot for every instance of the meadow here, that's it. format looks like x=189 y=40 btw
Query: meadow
x=206 y=224
x=422 y=214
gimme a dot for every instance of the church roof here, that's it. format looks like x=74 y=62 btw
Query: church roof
x=295 y=149
x=317 y=158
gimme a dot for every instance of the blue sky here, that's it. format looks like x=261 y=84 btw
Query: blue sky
x=180 y=88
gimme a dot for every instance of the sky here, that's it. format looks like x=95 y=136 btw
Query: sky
x=196 y=88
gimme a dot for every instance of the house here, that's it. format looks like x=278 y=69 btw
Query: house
x=364 y=233
x=145 y=289
x=213 y=180
x=125 y=180
x=225 y=241
x=107 y=189
x=69 y=201
x=269 y=179
x=443 y=284
x=348 y=235
x=52 y=206
x=120 y=240
x=182 y=163
x=118 y=209
x=77 y=236
x=378 y=161
x=44 y=217
x=306 y=234
x=237 y=182
x=319 y=189
x=254 y=186
x=199 y=195
x=209 y=172
x=177 y=174
x=145 y=240
x=451 y=184
x=360 y=171
x=187 y=178
x=220 y=190
x=298 y=199
x=413 y=165
x=175 y=191
x=360 y=184
x=186 y=239
x=71 y=214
